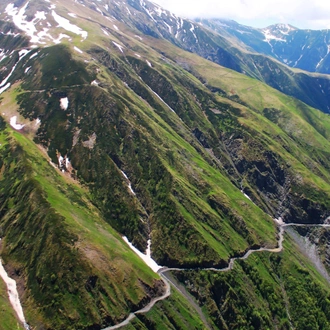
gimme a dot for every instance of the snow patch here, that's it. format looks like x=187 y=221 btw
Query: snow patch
x=119 y=46
x=40 y=15
x=100 y=11
x=13 y=295
x=4 y=83
x=2 y=55
x=67 y=162
x=65 y=24
x=60 y=37
x=169 y=27
x=27 y=69
x=72 y=15
x=161 y=99
x=128 y=11
x=160 y=11
x=149 y=63
x=148 y=250
x=269 y=36
x=105 y=32
x=192 y=29
x=64 y=103
x=322 y=58
x=147 y=259
x=13 y=123
x=129 y=183
x=295 y=64
x=149 y=14
x=34 y=55
x=116 y=27
x=247 y=196
x=29 y=27
x=19 y=19
x=60 y=161
x=2 y=89
x=279 y=221
x=78 y=50
x=9 y=33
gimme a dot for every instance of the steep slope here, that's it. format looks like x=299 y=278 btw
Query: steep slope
x=227 y=51
x=59 y=248
x=162 y=145
x=304 y=49
x=8 y=317
x=48 y=26
x=266 y=291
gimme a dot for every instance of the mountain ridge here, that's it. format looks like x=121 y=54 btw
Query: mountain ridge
x=298 y=48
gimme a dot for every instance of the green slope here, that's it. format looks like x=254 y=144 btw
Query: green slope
x=176 y=182
x=66 y=254
x=187 y=168
x=266 y=291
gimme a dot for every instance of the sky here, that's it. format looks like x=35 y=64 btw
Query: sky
x=304 y=14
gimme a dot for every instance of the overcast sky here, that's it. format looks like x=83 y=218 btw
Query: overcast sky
x=306 y=14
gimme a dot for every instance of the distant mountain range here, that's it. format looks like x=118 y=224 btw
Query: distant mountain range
x=261 y=54
x=303 y=49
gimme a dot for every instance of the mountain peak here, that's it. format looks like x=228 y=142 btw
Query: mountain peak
x=281 y=28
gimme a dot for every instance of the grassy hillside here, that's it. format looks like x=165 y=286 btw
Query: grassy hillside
x=176 y=181
x=157 y=143
x=266 y=291
x=274 y=142
x=64 y=252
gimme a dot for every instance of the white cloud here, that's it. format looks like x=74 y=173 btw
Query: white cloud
x=301 y=13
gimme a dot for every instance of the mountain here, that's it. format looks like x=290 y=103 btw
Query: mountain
x=213 y=41
x=303 y=49
x=114 y=124
x=148 y=18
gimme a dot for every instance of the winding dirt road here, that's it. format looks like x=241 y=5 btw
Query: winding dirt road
x=281 y=225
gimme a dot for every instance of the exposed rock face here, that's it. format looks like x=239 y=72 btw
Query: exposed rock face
x=274 y=182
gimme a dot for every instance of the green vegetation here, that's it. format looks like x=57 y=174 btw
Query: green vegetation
x=172 y=313
x=164 y=167
x=266 y=291
x=68 y=255
x=228 y=135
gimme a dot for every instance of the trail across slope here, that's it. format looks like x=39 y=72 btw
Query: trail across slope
x=281 y=225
